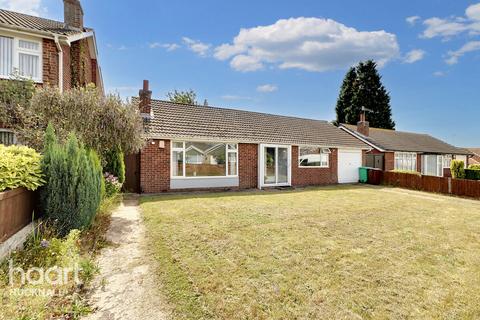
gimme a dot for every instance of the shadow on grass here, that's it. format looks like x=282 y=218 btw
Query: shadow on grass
x=146 y=198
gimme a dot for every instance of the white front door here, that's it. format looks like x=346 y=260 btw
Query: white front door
x=348 y=163
x=275 y=165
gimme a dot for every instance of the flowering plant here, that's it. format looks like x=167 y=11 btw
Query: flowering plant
x=112 y=185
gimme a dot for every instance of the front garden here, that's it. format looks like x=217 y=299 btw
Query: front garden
x=73 y=158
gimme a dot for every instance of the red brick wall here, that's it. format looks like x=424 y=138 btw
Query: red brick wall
x=155 y=167
x=81 y=64
x=67 y=70
x=50 y=62
x=248 y=165
x=389 y=161
x=314 y=176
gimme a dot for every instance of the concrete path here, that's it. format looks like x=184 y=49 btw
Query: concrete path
x=126 y=288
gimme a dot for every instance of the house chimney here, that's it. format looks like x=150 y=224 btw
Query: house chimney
x=363 y=127
x=145 y=96
x=73 y=13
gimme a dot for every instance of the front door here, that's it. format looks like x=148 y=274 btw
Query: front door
x=275 y=164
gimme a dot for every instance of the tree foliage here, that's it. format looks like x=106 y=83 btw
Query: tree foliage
x=362 y=87
x=457 y=168
x=115 y=163
x=185 y=97
x=100 y=122
x=74 y=188
x=14 y=96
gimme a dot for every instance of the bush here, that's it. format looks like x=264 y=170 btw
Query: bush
x=474 y=166
x=74 y=187
x=112 y=185
x=20 y=167
x=472 y=174
x=115 y=163
x=408 y=172
x=458 y=169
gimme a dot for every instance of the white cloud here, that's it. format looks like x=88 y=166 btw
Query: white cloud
x=453 y=56
x=439 y=74
x=311 y=44
x=452 y=26
x=412 y=20
x=166 y=46
x=414 y=56
x=196 y=46
x=31 y=7
x=267 y=88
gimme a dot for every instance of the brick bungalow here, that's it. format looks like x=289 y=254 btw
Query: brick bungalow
x=397 y=150
x=61 y=54
x=201 y=147
x=475 y=159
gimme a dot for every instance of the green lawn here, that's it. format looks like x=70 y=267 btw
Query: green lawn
x=345 y=252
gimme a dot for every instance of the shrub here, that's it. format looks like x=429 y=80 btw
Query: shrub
x=474 y=166
x=408 y=172
x=112 y=185
x=115 y=163
x=20 y=167
x=74 y=188
x=458 y=169
x=472 y=174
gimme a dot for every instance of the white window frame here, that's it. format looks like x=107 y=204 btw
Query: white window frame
x=322 y=149
x=184 y=153
x=404 y=155
x=16 y=57
x=11 y=132
x=261 y=163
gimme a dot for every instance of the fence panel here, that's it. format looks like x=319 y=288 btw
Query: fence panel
x=16 y=208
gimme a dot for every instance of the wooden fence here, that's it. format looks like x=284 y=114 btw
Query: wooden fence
x=446 y=185
x=16 y=208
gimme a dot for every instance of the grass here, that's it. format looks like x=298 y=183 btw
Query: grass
x=336 y=252
x=68 y=302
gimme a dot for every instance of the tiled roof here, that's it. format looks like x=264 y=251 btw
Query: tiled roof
x=23 y=21
x=181 y=121
x=475 y=151
x=392 y=140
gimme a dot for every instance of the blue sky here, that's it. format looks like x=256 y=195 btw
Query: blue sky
x=292 y=55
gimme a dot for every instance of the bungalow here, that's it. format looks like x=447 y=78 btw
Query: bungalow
x=475 y=159
x=201 y=147
x=397 y=150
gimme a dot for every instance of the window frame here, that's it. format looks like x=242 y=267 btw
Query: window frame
x=184 y=176
x=8 y=131
x=16 y=57
x=403 y=154
x=321 y=153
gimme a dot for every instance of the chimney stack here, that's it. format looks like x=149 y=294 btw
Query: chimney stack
x=363 y=127
x=73 y=13
x=145 y=95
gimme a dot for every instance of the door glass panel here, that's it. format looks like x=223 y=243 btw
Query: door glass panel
x=282 y=165
x=269 y=177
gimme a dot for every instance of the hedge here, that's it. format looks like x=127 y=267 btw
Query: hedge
x=472 y=174
x=20 y=167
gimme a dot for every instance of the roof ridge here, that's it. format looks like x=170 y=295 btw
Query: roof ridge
x=239 y=110
x=392 y=130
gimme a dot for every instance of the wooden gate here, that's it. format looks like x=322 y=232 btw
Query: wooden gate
x=132 y=173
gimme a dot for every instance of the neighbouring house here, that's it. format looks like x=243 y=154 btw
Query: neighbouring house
x=62 y=54
x=475 y=159
x=397 y=150
x=200 y=147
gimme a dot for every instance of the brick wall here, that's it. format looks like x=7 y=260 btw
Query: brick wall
x=389 y=161
x=248 y=165
x=81 y=64
x=50 y=62
x=67 y=71
x=314 y=176
x=155 y=167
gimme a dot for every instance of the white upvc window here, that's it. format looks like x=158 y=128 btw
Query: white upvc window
x=20 y=57
x=196 y=159
x=7 y=137
x=406 y=161
x=313 y=157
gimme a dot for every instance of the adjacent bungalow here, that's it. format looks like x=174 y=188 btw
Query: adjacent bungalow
x=202 y=147
x=475 y=159
x=397 y=150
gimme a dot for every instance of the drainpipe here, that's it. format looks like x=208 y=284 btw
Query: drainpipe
x=60 y=63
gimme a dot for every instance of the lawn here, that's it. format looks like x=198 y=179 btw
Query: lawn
x=346 y=252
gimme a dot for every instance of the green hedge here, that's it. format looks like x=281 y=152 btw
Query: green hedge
x=74 y=186
x=474 y=166
x=20 y=167
x=472 y=174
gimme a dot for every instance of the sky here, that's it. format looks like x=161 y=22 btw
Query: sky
x=289 y=57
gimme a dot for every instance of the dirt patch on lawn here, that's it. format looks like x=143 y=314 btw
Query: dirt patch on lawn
x=126 y=287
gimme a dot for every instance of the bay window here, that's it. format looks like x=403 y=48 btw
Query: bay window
x=204 y=159
x=313 y=157
x=20 y=57
x=406 y=161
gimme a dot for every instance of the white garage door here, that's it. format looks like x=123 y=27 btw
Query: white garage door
x=348 y=163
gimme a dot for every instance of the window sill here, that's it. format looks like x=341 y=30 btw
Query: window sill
x=37 y=81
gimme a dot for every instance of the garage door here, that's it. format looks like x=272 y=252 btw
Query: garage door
x=348 y=163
